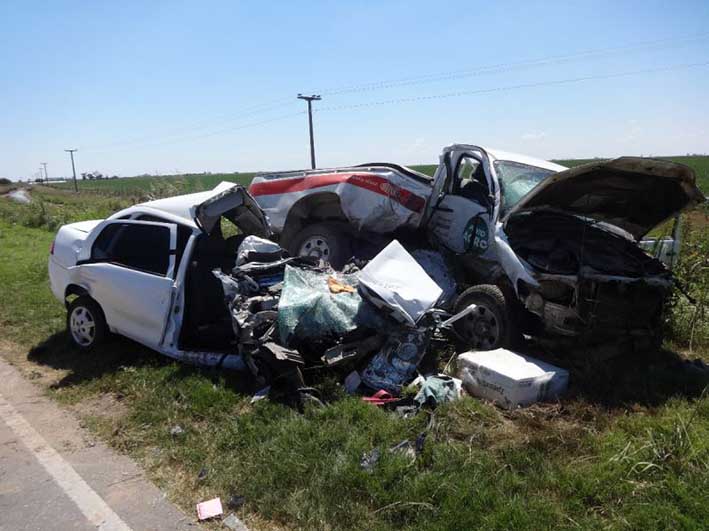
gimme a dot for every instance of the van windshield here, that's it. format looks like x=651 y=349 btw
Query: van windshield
x=517 y=180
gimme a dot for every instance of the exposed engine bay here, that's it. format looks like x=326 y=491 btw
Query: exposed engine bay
x=594 y=281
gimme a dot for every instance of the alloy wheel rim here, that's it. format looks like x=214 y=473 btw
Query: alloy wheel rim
x=82 y=326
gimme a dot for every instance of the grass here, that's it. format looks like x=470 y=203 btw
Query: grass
x=627 y=448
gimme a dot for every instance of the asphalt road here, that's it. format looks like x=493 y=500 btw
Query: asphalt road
x=54 y=475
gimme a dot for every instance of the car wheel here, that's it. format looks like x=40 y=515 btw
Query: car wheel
x=489 y=325
x=327 y=241
x=85 y=323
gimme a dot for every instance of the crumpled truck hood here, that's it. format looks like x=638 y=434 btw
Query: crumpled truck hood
x=633 y=193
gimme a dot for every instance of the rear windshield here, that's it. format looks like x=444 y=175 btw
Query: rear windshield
x=517 y=180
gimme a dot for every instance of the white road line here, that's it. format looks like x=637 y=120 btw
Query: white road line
x=96 y=511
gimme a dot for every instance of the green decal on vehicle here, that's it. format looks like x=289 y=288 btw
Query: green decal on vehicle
x=476 y=236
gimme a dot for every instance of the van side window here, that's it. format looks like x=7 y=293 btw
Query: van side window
x=470 y=181
x=142 y=247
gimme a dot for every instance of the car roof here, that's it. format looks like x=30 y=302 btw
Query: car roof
x=177 y=208
x=498 y=154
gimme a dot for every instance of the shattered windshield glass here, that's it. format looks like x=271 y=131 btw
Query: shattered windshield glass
x=517 y=180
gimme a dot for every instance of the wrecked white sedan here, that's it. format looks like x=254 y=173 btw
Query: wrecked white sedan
x=542 y=249
x=146 y=273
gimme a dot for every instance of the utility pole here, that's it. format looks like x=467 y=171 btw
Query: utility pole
x=310 y=100
x=73 y=168
x=46 y=175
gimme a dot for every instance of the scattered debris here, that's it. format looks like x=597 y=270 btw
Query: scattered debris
x=261 y=394
x=438 y=389
x=380 y=398
x=19 y=196
x=420 y=442
x=232 y=522
x=203 y=473
x=395 y=283
x=176 y=431
x=209 y=509
x=510 y=379
x=352 y=382
x=370 y=460
x=337 y=286
x=235 y=502
x=405 y=448
x=396 y=363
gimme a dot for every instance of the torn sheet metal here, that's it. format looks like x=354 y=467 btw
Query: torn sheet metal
x=395 y=282
x=395 y=365
x=345 y=352
x=236 y=204
x=378 y=199
x=258 y=249
x=434 y=263
x=510 y=379
x=281 y=353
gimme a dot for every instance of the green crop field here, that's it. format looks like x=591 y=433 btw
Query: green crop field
x=699 y=163
x=165 y=185
x=626 y=448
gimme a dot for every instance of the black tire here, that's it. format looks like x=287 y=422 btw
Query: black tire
x=328 y=241
x=490 y=326
x=86 y=323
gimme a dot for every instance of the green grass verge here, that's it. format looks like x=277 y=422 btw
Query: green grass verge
x=629 y=451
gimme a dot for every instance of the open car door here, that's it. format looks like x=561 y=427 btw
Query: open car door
x=235 y=203
x=464 y=202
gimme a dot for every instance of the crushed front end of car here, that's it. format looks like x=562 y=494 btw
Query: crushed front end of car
x=577 y=234
x=593 y=284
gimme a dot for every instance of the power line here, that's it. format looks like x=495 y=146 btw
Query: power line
x=246 y=112
x=510 y=87
x=206 y=135
x=503 y=67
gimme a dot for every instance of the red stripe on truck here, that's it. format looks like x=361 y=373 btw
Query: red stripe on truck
x=370 y=182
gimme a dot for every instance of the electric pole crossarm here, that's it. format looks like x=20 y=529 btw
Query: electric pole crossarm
x=310 y=100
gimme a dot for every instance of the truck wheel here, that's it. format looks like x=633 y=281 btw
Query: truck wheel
x=323 y=240
x=85 y=323
x=489 y=326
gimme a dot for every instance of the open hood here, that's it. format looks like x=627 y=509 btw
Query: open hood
x=633 y=193
x=234 y=203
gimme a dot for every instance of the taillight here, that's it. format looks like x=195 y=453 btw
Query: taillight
x=51 y=248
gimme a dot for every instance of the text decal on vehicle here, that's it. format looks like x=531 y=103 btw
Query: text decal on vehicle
x=476 y=236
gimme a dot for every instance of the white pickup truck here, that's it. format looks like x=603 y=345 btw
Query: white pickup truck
x=544 y=249
x=146 y=273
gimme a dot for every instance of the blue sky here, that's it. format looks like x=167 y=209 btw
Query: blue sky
x=211 y=86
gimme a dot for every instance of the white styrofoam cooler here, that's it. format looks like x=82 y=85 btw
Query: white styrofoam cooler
x=510 y=379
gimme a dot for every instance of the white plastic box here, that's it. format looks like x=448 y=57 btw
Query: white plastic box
x=509 y=379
